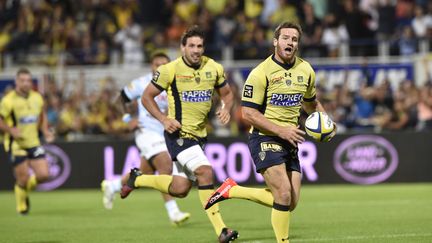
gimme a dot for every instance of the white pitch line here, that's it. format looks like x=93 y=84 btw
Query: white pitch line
x=364 y=237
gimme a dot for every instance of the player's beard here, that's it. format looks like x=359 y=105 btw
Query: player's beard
x=24 y=91
x=287 y=54
x=193 y=59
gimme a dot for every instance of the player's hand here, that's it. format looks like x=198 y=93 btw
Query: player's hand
x=333 y=133
x=223 y=115
x=133 y=124
x=15 y=132
x=49 y=136
x=294 y=135
x=171 y=125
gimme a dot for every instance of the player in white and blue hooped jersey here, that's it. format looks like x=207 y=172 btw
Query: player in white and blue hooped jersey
x=133 y=91
x=149 y=139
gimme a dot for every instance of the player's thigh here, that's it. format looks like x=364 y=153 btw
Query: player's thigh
x=163 y=163
x=277 y=180
x=40 y=168
x=195 y=161
x=295 y=179
x=145 y=167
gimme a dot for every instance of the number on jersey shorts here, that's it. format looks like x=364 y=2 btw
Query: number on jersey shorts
x=149 y=143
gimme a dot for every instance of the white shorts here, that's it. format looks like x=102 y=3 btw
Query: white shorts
x=149 y=143
x=188 y=161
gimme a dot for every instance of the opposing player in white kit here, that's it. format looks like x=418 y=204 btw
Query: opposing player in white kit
x=150 y=140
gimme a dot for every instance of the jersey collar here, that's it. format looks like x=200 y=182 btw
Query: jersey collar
x=196 y=67
x=286 y=66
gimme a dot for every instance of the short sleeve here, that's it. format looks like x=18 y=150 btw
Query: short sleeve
x=5 y=108
x=310 y=94
x=133 y=90
x=161 y=78
x=221 y=78
x=254 y=89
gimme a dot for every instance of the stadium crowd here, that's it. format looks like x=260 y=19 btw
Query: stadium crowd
x=86 y=32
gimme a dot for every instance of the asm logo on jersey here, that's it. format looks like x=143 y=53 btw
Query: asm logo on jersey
x=28 y=119
x=286 y=99
x=196 y=95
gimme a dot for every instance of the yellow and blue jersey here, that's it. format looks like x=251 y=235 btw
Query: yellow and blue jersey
x=23 y=113
x=189 y=91
x=277 y=90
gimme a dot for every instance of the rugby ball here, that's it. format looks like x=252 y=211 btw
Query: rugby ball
x=319 y=126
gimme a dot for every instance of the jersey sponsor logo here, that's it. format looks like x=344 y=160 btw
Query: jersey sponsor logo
x=248 y=91
x=300 y=84
x=28 y=119
x=286 y=99
x=276 y=80
x=156 y=76
x=273 y=147
x=197 y=95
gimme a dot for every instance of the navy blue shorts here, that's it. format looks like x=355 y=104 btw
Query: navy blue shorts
x=32 y=153
x=268 y=151
x=177 y=144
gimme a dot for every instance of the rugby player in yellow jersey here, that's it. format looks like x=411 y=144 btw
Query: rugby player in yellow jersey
x=272 y=97
x=22 y=115
x=190 y=82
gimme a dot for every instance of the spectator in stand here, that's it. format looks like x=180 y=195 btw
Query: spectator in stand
x=334 y=35
x=285 y=12
x=421 y=22
x=186 y=10
x=386 y=20
x=424 y=108
x=312 y=32
x=130 y=40
x=356 y=23
x=407 y=42
x=404 y=12
x=175 y=30
x=226 y=25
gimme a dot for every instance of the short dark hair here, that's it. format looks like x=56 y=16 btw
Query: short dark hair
x=192 y=31
x=23 y=71
x=287 y=25
x=157 y=54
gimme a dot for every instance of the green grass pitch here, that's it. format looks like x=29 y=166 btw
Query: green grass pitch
x=327 y=213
